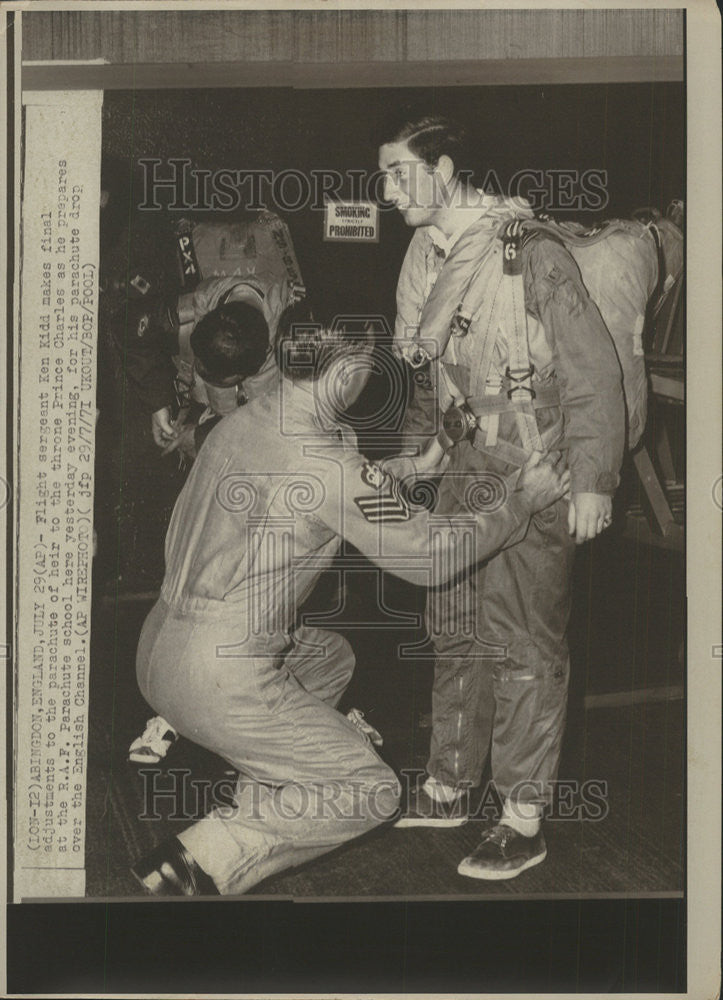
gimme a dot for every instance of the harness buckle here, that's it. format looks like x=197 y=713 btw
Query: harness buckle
x=417 y=357
x=518 y=379
x=459 y=422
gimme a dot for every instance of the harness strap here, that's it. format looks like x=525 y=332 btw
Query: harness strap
x=545 y=397
x=520 y=370
x=487 y=318
x=491 y=309
x=512 y=453
x=480 y=305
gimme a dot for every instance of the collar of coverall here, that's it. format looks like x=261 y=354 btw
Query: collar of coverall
x=474 y=212
x=301 y=402
x=247 y=290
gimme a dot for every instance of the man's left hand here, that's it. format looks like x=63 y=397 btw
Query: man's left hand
x=184 y=443
x=589 y=514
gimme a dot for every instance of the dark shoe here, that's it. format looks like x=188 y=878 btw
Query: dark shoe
x=169 y=870
x=503 y=853
x=423 y=810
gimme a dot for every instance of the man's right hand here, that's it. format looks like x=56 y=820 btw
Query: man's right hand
x=540 y=482
x=161 y=427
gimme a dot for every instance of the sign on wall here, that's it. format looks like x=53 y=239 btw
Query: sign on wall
x=351 y=221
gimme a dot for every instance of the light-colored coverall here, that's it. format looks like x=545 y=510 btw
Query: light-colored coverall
x=262 y=513
x=500 y=632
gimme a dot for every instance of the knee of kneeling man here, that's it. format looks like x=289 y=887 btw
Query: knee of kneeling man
x=346 y=656
x=339 y=657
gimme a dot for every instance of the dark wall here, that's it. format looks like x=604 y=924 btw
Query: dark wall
x=634 y=132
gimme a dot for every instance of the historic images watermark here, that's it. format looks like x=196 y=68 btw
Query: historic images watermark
x=175 y=795
x=178 y=185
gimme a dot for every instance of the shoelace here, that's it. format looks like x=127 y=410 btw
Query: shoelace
x=499 y=835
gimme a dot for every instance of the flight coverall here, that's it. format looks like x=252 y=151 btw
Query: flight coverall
x=500 y=632
x=260 y=517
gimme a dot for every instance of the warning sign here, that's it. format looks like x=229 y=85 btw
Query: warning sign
x=351 y=221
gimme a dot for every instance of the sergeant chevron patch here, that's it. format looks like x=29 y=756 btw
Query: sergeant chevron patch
x=387 y=506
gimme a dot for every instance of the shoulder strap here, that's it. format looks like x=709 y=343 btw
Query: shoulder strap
x=515 y=237
x=489 y=307
x=486 y=306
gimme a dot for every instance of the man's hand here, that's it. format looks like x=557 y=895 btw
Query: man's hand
x=184 y=442
x=589 y=514
x=161 y=427
x=433 y=460
x=541 y=483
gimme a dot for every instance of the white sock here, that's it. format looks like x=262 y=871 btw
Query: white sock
x=440 y=792
x=524 y=817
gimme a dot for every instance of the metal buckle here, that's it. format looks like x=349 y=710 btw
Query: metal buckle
x=459 y=422
x=418 y=357
x=526 y=375
x=182 y=390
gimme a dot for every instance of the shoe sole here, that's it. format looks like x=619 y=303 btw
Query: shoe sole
x=490 y=875
x=144 y=758
x=405 y=822
x=144 y=884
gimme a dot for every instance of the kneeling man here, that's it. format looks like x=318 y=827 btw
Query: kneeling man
x=275 y=487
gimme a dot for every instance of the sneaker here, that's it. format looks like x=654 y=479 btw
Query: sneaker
x=154 y=744
x=356 y=717
x=423 y=810
x=503 y=853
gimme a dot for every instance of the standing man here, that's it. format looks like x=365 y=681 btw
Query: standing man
x=528 y=362
x=274 y=488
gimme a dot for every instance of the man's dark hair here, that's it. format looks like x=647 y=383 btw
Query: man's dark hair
x=305 y=347
x=232 y=339
x=430 y=137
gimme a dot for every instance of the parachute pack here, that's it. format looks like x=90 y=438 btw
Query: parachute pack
x=622 y=263
x=259 y=247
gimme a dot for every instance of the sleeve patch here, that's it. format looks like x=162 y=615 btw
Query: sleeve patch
x=385 y=505
x=564 y=293
x=372 y=475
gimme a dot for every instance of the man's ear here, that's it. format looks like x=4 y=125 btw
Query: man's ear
x=445 y=168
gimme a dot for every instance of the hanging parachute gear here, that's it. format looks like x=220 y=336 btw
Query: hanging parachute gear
x=249 y=261
x=259 y=247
